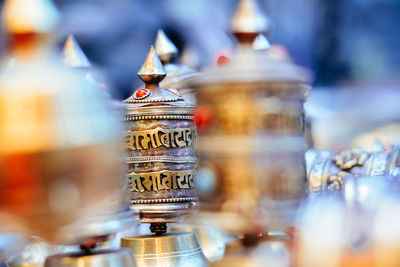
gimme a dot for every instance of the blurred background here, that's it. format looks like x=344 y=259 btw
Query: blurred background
x=345 y=42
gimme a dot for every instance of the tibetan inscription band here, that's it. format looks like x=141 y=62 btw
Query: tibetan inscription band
x=165 y=180
x=169 y=138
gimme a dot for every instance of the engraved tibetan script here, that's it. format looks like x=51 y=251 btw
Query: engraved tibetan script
x=165 y=180
x=158 y=137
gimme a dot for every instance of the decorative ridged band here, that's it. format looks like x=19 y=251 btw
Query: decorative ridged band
x=164 y=200
x=159 y=117
x=161 y=159
x=153 y=100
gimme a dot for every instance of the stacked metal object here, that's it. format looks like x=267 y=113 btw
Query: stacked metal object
x=250 y=117
x=61 y=146
x=161 y=167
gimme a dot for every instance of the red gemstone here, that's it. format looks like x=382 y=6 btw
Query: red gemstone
x=203 y=117
x=222 y=60
x=142 y=93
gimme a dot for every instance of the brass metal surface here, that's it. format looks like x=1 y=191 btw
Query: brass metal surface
x=327 y=172
x=250 y=120
x=165 y=48
x=176 y=249
x=212 y=240
x=96 y=258
x=178 y=75
x=249 y=18
x=160 y=144
x=60 y=146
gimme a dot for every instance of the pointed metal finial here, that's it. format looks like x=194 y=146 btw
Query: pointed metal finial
x=261 y=42
x=74 y=57
x=165 y=48
x=249 y=19
x=29 y=16
x=152 y=71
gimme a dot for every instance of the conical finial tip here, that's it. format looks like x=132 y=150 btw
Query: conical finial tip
x=74 y=57
x=261 y=42
x=249 y=18
x=165 y=48
x=152 y=71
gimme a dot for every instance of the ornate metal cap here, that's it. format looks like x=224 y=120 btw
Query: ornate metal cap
x=30 y=16
x=74 y=57
x=249 y=19
x=165 y=48
x=261 y=42
x=152 y=73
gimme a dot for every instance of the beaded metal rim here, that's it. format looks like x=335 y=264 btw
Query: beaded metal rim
x=161 y=159
x=165 y=200
x=159 y=117
x=153 y=100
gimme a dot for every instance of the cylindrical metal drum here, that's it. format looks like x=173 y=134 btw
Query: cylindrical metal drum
x=160 y=141
x=60 y=146
x=250 y=122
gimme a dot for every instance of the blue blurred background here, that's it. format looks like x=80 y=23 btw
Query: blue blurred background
x=345 y=42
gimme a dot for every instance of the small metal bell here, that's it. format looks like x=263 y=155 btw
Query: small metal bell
x=173 y=249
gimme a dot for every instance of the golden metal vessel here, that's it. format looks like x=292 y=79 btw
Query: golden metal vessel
x=60 y=155
x=249 y=117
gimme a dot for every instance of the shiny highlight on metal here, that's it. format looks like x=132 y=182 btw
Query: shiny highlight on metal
x=95 y=258
x=74 y=57
x=165 y=48
x=172 y=249
x=249 y=18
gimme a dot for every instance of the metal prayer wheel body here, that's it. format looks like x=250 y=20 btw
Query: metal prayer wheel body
x=160 y=144
x=250 y=121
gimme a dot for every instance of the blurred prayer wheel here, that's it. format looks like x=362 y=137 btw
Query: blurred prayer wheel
x=250 y=121
x=60 y=147
x=178 y=75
